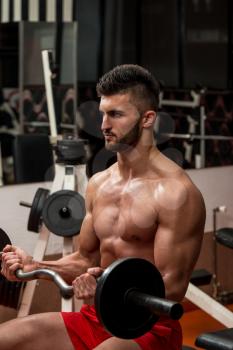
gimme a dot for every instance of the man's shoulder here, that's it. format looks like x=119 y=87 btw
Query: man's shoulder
x=99 y=178
x=194 y=194
x=176 y=183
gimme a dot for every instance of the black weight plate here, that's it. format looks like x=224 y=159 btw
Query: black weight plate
x=34 y=220
x=4 y=239
x=9 y=291
x=123 y=320
x=63 y=223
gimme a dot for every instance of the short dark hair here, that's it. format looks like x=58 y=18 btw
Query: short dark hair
x=131 y=78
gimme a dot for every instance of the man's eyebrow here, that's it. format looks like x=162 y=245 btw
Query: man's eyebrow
x=112 y=111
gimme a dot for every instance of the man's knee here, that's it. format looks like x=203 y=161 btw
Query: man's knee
x=40 y=331
x=15 y=333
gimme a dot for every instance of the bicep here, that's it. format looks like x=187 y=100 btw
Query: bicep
x=177 y=246
x=176 y=257
x=88 y=242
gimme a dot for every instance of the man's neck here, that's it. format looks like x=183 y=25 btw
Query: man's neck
x=134 y=162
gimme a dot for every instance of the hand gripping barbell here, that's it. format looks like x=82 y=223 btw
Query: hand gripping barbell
x=129 y=298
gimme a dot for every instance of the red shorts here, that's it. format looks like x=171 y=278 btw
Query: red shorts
x=86 y=332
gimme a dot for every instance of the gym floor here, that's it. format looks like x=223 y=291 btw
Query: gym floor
x=196 y=321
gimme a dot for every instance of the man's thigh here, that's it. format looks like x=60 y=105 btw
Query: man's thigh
x=118 y=344
x=45 y=331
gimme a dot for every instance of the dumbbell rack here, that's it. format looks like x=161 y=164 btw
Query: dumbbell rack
x=67 y=177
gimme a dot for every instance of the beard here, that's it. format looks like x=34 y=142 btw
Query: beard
x=127 y=142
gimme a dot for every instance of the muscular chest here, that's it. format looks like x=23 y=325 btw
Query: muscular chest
x=125 y=213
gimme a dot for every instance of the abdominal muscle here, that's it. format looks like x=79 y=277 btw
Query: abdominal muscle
x=115 y=248
x=120 y=237
x=125 y=220
x=124 y=229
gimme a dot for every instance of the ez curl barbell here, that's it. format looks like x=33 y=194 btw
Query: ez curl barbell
x=129 y=298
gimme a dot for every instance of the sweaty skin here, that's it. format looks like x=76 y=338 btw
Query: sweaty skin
x=155 y=216
x=142 y=206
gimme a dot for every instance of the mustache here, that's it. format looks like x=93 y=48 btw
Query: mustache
x=108 y=134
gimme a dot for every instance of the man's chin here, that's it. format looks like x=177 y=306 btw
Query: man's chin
x=117 y=147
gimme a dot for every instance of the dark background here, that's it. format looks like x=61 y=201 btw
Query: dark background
x=186 y=44
x=183 y=43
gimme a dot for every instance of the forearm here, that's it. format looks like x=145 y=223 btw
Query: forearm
x=175 y=286
x=68 y=267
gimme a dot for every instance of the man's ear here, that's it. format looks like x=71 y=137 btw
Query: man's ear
x=148 y=119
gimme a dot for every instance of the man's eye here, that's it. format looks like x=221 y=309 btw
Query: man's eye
x=116 y=114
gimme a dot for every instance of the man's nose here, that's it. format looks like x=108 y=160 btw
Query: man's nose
x=106 y=125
